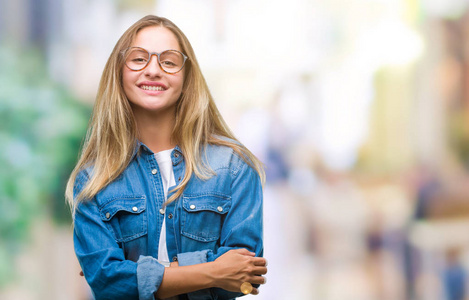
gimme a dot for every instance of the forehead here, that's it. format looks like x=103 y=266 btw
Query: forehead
x=156 y=39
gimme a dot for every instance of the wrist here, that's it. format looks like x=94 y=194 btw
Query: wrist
x=211 y=275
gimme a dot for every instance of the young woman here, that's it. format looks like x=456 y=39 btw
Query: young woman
x=166 y=202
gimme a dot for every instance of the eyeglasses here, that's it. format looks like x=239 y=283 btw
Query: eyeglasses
x=170 y=61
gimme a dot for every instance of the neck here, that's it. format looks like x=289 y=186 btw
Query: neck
x=154 y=130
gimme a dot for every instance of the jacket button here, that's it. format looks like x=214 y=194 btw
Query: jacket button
x=108 y=215
x=170 y=216
x=154 y=171
x=192 y=206
x=220 y=209
x=161 y=211
x=134 y=208
x=176 y=155
x=175 y=258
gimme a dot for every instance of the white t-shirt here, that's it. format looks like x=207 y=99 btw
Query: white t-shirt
x=167 y=176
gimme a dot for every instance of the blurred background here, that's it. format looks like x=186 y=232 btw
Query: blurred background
x=358 y=108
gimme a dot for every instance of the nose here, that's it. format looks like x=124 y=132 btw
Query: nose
x=153 y=67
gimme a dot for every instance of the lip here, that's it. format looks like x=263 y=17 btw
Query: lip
x=152 y=84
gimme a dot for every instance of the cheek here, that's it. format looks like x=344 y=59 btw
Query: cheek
x=180 y=81
x=127 y=81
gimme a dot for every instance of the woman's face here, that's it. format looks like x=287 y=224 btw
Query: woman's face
x=151 y=90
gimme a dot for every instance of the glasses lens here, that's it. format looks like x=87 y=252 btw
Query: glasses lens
x=171 y=61
x=136 y=58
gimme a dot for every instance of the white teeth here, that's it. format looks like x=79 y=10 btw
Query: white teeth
x=152 y=88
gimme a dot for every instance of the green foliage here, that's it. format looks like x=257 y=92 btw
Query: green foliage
x=41 y=128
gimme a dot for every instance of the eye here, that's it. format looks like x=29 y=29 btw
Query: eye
x=169 y=63
x=171 y=59
x=139 y=60
x=137 y=56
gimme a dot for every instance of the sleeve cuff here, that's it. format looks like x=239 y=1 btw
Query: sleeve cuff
x=149 y=277
x=192 y=258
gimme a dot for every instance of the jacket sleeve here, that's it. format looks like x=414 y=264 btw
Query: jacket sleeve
x=242 y=227
x=106 y=270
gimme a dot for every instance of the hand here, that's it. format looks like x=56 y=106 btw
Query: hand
x=238 y=266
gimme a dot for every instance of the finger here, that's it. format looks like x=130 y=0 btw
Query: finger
x=260 y=261
x=258 y=280
x=174 y=264
x=259 y=271
x=245 y=251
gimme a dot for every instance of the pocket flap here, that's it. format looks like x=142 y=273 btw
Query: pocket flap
x=216 y=203
x=133 y=205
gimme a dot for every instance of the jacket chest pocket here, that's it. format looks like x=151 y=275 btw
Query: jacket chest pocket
x=125 y=217
x=202 y=216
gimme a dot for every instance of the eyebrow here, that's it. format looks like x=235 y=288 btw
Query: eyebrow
x=156 y=51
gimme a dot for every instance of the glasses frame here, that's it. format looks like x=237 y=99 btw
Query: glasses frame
x=150 y=54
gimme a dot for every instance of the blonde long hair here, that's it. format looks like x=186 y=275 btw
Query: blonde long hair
x=112 y=134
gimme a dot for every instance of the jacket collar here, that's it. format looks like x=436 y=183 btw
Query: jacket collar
x=176 y=153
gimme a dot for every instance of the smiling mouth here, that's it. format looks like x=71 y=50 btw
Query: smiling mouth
x=152 y=88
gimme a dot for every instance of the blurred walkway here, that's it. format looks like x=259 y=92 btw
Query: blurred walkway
x=47 y=268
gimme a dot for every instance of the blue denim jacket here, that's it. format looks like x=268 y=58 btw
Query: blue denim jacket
x=116 y=233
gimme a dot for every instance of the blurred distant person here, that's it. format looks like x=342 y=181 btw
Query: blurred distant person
x=166 y=202
x=454 y=276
